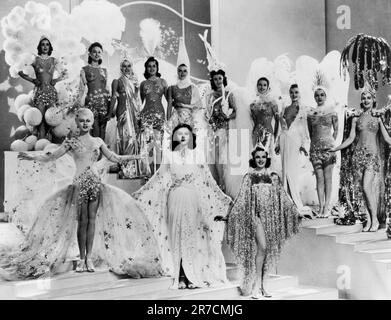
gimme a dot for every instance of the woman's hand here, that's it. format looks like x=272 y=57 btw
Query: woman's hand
x=277 y=149
x=24 y=156
x=36 y=82
x=304 y=151
x=219 y=218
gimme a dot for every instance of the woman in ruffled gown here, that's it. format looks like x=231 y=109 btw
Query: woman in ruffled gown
x=180 y=201
x=291 y=144
x=109 y=226
x=260 y=220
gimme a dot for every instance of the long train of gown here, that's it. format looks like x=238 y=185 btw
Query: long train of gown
x=124 y=239
x=179 y=200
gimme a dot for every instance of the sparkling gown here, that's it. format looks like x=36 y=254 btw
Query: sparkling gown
x=259 y=201
x=123 y=241
x=356 y=159
x=97 y=99
x=296 y=177
x=153 y=112
x=45 y=94
x=181 y=201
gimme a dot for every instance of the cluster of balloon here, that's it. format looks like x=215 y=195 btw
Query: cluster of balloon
x=54 y=116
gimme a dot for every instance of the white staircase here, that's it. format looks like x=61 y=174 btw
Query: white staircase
x=327 y=255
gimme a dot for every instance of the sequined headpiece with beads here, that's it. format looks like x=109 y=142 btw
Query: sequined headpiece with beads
x=213 y=62
x=368 y=88
x=44 y=37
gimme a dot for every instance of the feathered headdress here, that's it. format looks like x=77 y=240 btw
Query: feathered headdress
x=213 y=62
x=320 y=82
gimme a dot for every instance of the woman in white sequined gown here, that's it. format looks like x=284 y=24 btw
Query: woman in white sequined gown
x=180 y=201
x=109 y=226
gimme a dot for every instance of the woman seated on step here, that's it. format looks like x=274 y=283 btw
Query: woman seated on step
x=261 y=218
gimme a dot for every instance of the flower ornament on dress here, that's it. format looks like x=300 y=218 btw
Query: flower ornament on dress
x=213 y=62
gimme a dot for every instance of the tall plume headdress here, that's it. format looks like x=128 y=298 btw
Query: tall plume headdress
x=320 y=82
x=371 y=58
x=213 y=62
x=183 y=59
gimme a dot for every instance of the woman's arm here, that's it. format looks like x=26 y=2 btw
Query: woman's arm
x=82 y=85
x=142 y=94
x=114 y=97
x=350 y=139
x=384 y=132
x=334 y=119
x=169 y=103
x=28 y=78
x=113 y=157
x=48 y=156
x=232 y=105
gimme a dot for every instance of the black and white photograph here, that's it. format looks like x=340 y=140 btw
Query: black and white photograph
x=205 y=150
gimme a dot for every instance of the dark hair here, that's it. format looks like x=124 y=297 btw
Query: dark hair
x=264 y=79
x=182 y=65
x=92 y=46
x=252 y=160
x=50 y=46
x=192 y=142
x=146 y=74
x=293 y=86
x=213 y=73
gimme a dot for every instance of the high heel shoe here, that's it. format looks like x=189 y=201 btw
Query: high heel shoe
x=90 y=265
x=265 y=294
x=182 y=283
x=80 y=266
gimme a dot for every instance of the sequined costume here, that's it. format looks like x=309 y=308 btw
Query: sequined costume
x=356 y=159
x=181 y=201
x=264 y=110
x=45 y=94
x=259 y=201
x=188 y=96
x=97 y=99
x=320 y=128
x=152 y=114
x=124 y=239
x=387 y=174
x=220 y=125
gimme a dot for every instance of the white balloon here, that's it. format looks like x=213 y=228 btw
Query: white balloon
x=19 y=145
x=31 y=140
x=21 y=111
x=54 y=116
x=33 y=116
x=41 y=144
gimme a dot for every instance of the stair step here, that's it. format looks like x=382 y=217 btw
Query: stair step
x=334 y=229
x=361 y=236
x=3 y=217
x=374 y=244
x=317 y=222
x=229 y=291
x=305 y=293
x=378 y=254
